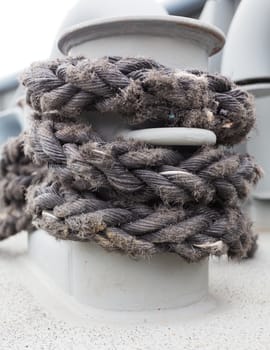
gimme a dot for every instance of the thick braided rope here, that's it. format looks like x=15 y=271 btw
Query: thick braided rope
x=134 y=227
x=178 y=207
x=78 y=157
x=138 y=230
x=137 y=198
x=129 y=196
x=141 y=90
x=17 y=173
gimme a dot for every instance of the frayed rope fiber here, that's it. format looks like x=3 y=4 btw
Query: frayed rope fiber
x=64 y=176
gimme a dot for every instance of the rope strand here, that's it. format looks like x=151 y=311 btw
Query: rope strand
x=141 y=90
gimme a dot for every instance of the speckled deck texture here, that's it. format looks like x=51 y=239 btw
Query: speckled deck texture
x=32 y=316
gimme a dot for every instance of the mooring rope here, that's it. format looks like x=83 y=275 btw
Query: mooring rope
x=126 y=195
x=141 y=90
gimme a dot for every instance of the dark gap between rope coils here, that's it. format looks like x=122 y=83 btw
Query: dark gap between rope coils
x=64 y=176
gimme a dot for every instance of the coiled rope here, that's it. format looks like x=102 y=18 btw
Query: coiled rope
x=123 y=194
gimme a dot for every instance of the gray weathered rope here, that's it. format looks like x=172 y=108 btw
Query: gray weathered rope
x=17 y=173
x=126 y=195
x=141 y=90
x=192 y=232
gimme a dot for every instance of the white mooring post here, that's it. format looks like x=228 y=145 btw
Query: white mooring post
x=246 y=60
x=111 y=281
x=220 y=14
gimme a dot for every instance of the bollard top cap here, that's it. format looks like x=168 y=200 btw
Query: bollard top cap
x=174 y=27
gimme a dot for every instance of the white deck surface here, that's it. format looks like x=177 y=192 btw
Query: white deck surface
x=35 y=315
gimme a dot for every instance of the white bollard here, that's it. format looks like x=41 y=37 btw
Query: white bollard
x=220 y=14
x=247 y=50
x=113 y=281
x=246 y=60
x=257 y=146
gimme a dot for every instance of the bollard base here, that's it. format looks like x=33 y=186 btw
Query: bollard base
x=111 y=281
